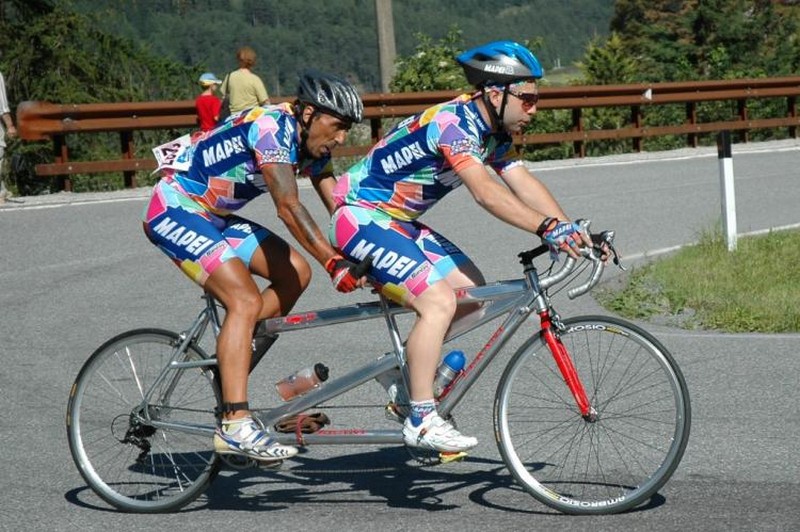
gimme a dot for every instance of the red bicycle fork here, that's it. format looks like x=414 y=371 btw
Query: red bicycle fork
x=567 y=368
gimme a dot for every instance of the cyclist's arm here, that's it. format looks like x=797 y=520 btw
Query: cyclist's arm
x=499 y=200
x=282 y=184
x=536 y=195
x=503 y=203
x=324 y=184
x=532 y=192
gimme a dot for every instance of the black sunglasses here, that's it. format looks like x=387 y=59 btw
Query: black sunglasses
x=529 y=99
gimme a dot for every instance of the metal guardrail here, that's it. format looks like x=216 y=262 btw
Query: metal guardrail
x=43 y=120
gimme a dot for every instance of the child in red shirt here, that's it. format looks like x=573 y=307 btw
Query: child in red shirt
x=208 y=104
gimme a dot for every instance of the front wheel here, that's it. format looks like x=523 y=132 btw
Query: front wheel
x=141 y=442
x=599 y=464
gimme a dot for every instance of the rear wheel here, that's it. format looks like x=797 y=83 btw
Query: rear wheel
x=619 y=458
x=144 y=456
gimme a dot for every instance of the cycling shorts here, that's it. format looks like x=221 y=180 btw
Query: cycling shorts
x=408 y=256
x=196 y=240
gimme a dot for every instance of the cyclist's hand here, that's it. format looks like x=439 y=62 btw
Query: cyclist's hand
x=341 y=272
x=563 y=236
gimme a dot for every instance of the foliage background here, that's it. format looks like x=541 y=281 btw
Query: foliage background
x=338 y=35
x=83 y=51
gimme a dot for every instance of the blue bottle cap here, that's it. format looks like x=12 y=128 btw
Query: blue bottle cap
x=455 y=359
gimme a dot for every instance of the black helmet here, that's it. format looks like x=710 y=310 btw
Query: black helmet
x=330 y=94
x=499 y=63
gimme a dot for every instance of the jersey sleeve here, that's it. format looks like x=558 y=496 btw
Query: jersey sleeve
x=459 y=148
x=270 y=139
x=504 y=157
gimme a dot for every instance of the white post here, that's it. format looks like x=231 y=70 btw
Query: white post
x=726 y=185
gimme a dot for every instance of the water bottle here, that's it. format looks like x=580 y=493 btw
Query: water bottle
x=301 y=381
x=451 y=366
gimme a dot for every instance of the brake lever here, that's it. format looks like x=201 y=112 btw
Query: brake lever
x=607 y=238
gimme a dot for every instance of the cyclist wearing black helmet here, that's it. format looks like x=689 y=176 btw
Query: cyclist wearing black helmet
x=190 y=217
x=380 y=199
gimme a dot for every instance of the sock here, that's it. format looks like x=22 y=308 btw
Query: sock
x=229 y=426
x=420 y=409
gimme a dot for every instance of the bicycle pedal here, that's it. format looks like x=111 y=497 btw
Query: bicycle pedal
x=237 y=462
x=392 y=413
x=275 y=464
x=452 y=456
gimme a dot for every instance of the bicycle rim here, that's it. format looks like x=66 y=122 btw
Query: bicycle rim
x=129 y=463
x=632 y=448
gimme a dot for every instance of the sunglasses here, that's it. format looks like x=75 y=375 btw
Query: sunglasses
x=528 y=99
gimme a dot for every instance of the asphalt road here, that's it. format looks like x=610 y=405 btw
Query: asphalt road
x=76 y=269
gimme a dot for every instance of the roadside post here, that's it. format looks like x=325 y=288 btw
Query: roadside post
x=728 y=197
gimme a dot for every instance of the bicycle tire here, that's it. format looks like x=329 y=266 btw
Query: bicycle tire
x=615 y=462
x=132 y=465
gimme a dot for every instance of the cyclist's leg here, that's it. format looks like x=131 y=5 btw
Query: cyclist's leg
x=232 y=284
x=193 y=238
x=435 y=307
x=455 y=266
x=403 y=270
x=402 y=266
x=269 y=256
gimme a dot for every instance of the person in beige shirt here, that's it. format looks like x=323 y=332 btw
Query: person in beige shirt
x=7 y=129
x=243 y=88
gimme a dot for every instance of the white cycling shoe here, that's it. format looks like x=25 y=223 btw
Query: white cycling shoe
x=437 y=434
x=244 y=437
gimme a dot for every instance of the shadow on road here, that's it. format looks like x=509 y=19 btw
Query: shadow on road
x=384 y=476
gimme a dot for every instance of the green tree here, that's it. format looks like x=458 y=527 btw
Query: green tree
x=53 y=54
x=432 y=67
x=339 y=36
x=607 y=63
x=709 y=39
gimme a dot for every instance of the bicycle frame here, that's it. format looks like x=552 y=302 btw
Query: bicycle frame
x=518 y=298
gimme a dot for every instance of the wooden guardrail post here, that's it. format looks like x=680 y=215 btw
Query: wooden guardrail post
x=61 y=155
x=744 y=134
x=578 y=146
x=126 y=143
x=636 y=122
x=375 y=130
x=691 y=118
x=791 y=103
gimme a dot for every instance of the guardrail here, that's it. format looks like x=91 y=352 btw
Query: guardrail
x=43 y=120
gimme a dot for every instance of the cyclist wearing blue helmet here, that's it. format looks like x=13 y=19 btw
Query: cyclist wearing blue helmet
x=380 y=199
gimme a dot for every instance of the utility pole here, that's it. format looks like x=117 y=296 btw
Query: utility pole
x=386 y=48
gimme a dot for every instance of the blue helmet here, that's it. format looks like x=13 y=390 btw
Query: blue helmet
x=499 y=63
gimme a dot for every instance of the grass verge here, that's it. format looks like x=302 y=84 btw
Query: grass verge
x=755 y=288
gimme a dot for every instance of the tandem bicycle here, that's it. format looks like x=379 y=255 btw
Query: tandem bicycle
x=591 y=414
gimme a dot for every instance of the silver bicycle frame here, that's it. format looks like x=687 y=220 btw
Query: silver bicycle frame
x=518 y=298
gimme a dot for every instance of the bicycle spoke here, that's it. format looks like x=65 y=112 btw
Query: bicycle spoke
x=128 y=462
x=613 y=460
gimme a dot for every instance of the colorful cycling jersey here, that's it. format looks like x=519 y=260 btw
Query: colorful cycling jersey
x=224 y=165
x=415 y=164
